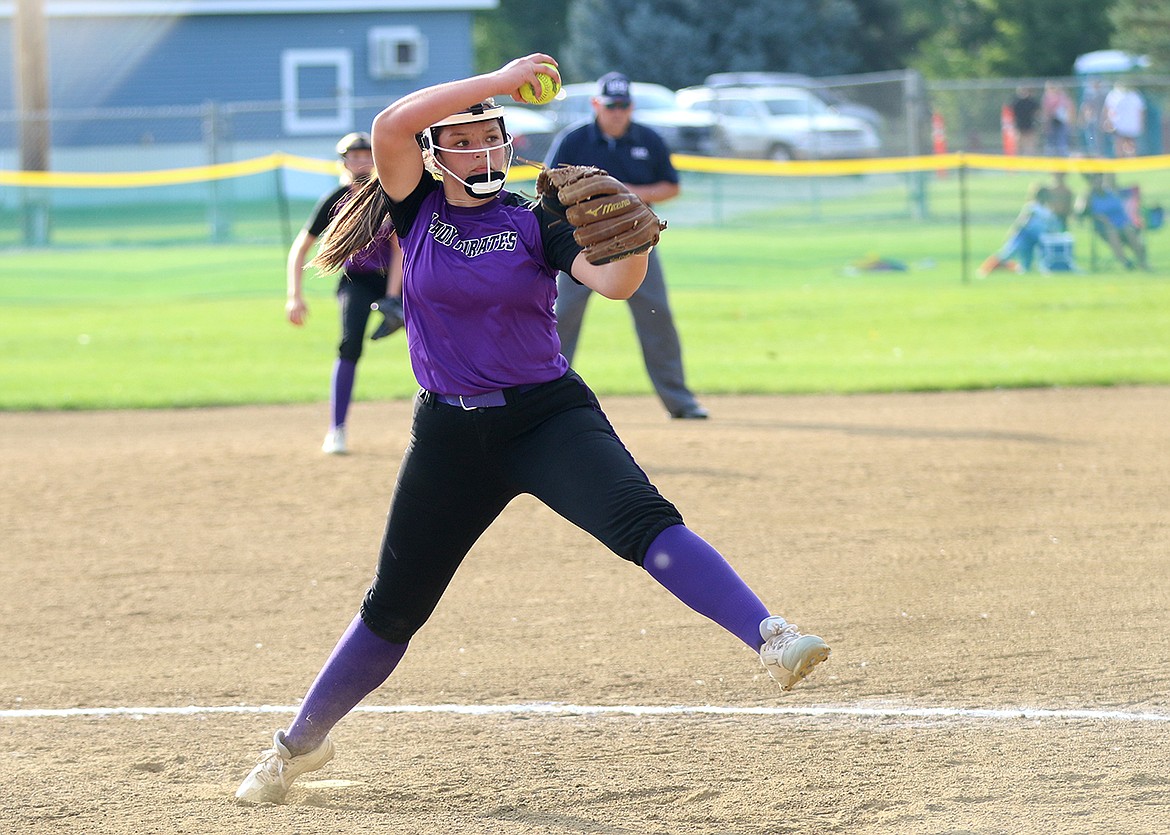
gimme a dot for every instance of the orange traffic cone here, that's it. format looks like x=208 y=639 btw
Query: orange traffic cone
x=938 y=133
x=1007 y=126
x=938 y=138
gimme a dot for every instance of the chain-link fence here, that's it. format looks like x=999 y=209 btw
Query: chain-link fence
x=915 y=119
x=134 y=139
x=973 y=113
x=152 y=138
x=912 y=116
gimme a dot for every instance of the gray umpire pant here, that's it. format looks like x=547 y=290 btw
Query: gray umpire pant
x=653 y=322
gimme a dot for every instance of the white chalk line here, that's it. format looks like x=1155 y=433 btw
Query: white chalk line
x=556 y=709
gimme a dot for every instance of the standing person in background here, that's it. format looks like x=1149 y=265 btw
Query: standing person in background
x=367 y=279
x=1025 y=110
x=1057 y=106
x=1125 y=118
x=1092 y=119
x=638 y=157
x=500 y=413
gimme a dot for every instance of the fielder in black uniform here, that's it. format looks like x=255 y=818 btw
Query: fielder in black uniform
x=369 y=279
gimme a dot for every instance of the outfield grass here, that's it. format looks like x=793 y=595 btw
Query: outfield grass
x=760 y=310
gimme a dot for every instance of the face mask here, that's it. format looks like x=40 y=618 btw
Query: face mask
x=484 y=184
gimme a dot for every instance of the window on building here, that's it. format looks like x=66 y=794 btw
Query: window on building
x=397 y=52
x=317 y=91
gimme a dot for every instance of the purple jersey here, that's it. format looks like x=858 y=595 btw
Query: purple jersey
x=478 y=291
x=375 y=256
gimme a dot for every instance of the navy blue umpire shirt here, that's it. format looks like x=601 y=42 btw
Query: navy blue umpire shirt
x=639 y=158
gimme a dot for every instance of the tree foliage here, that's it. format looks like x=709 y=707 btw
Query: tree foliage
x=1004 y=38
x=519 y=27
x=678 y=42
x=949 y=35
x=883 y=39
x=1043 y=38
x=1143 y=28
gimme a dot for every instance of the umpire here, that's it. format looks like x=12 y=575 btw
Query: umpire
x=638 y=157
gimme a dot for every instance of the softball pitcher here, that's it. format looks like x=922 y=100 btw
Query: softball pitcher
x=499 y=413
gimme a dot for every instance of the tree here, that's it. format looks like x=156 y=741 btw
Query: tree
x=1004 y=38
x=519 y=27
x=951 y=37
x=644 y=40
x=678 y=42
x=884 y=41
x=1043 y=38
x=1143 y=28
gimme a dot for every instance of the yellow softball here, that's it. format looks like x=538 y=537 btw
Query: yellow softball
x=548 y=88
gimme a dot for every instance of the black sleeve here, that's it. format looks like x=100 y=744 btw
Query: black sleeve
x=404 y=213
x=560 y=248
x=323 y=211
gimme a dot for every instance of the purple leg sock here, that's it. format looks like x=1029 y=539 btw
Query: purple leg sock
x=696 y=574
x=360 y=663
x=341 y=389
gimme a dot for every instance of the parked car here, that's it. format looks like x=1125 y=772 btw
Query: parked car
x=780 y=123
x=827 y=94
x=532 y=132
x=684 y=131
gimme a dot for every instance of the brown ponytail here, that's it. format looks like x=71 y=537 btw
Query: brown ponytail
x=353 y=227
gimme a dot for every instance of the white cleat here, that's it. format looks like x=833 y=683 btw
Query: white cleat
x=272 y=777
x=335 y=442
x=788 y=655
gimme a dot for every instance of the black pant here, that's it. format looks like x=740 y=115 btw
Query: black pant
x=463 y=467
x=355 y=293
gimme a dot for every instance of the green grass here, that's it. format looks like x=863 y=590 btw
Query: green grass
x=761 y=310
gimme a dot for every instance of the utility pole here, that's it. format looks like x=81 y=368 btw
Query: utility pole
x=32 y=103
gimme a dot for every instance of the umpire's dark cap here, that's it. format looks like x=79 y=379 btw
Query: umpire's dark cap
x=613 y=87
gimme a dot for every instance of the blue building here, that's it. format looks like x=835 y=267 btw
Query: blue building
x=262 y=71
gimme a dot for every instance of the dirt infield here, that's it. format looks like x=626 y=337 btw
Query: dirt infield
x=988 y=552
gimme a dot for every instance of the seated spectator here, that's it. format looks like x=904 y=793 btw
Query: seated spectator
x=1105 y=207
x=1061 y=199
x=1034 y=220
